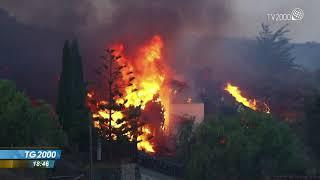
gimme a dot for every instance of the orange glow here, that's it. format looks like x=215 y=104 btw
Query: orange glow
x=147 y=67
x=145 y=144
x=236 y=93
x=267 y=108
x=250 y=103
x=150 y=73
x=152 y=52
x=90 y=95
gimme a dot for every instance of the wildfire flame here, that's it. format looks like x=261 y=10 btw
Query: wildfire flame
x=250 y=103
x=150 y=81
x=145 y=145
x=150 y=75
x=236 y=93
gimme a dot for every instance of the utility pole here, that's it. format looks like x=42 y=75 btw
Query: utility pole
x=90 y=151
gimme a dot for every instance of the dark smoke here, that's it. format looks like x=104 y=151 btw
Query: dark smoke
x=37 y=29
x=136 y=21
x=191 y=29
x=66 y=16
x=169 y=18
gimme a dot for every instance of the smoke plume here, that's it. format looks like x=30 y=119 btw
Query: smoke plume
x=184 y=25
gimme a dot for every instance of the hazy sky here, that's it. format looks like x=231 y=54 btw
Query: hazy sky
x=246 y=15
x=249 y=14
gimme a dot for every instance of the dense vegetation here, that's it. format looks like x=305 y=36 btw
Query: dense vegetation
x=241 y=145
x=246 y=145
x=250 y=144
x=25 y=123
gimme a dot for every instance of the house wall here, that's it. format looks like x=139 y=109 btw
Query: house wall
x=192 y=109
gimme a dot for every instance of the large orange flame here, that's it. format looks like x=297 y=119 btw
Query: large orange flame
x=150 y=75
x=250 y=103
x=236 y=93
x=145 y=144
x=150 y=81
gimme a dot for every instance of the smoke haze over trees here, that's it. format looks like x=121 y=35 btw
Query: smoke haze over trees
x=32 y=34
x=203 y=58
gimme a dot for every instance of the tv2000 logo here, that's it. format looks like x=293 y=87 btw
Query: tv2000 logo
x=295 y=15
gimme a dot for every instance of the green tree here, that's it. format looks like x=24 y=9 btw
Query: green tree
x=247 y=146
x=312 y=123
x=64 y=96
x=184 y=137
x=71 y=106
x=274 y=50
x=25 y=125
x=279 y=80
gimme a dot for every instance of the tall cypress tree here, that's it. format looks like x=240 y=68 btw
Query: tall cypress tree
x=71 y=95
x=79 y=124
x=64 y=96
x=79 y=89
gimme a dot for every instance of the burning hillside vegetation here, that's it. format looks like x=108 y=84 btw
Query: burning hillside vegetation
x=148 y=87
x=151 y=89
x=250 y=103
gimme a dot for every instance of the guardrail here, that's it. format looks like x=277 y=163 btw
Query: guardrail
x=160 y=165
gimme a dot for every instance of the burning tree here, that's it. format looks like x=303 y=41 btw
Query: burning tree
x=115 y=122
x=147 y=91
x=250 y=103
